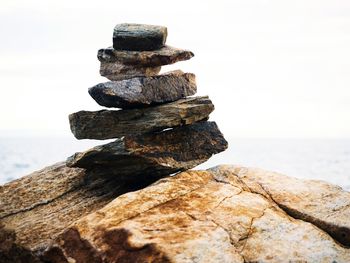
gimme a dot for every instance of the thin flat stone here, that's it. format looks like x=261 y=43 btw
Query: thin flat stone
x=155 y=154
x=108 y=124
x=164 y=56
x=119 y=71
x=138 y=36
x=144 y=91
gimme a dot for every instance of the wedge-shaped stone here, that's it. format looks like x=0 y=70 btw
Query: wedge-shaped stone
x=139 y=36
x=38 y=207
x=163 y=56
x=118 y=71
x=107 y=124
x=155 y=154
x=144 y=91
x=196 y=216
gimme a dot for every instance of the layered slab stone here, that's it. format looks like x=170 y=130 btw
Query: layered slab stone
x=108 y=124
x=144 y=91
x=164 y=56
x=119 y=71
x=195 y=216
x=155 y=154
x=325 y=205
x=138 y=36
x=35 y=209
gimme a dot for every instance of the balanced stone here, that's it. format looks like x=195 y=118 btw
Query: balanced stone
x=164 y=56
x=118 y=71
x=144 y=91
x=155 y=154
x=108 y=124
x=138 y=37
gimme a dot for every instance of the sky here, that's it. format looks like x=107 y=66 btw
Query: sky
x=273 y=68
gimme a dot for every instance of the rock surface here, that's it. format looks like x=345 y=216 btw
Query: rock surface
x=196 y=216
x=138 y=37
x=325 y=205
x=164 y=56
x=119 y=71
x=155 y=154
x=144 y=91
x=107 y=124
x=38 y=207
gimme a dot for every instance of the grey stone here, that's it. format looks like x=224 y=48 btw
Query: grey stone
x=144 y=91
x=108 y=124
x=138 y=37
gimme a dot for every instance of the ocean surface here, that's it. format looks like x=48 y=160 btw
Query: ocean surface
x=323 y=159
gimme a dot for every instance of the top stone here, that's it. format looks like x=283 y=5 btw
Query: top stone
x=139 y=37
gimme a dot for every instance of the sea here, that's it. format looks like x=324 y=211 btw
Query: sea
x=321 y=159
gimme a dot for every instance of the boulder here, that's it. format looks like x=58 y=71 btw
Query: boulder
x=155 y=154
x=198 y=216
x=36 y=208
x=325 y=205
x=107 y=124
x=119 y=71
x=164 y=56
x=138 y=37
x=144 y=91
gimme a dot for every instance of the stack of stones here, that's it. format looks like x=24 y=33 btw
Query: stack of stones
x=159 y=130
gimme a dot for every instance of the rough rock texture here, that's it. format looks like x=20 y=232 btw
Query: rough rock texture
x=119 y=71
x=107 y=124
x=155 y=154
x=325 y=205
x=38 y=207
x=156 y=58
x=196 y=216
x=138 y=37
x=145 y=91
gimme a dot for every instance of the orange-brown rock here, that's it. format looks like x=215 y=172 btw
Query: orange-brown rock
x=37 y=208
x=225 y=214
x=197 y=216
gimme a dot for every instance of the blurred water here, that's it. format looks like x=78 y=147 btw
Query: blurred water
x=327 y=160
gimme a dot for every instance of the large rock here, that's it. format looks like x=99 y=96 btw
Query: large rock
x=198 y=216
x=155 y=154
x=119 y=71
x=35 y=209
x=107 y=124
x=144 y=91
x=325 y=205
x=138 y=37
x=164 y=56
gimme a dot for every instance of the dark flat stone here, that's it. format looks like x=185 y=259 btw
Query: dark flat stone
x=155 y=154
x=164 y=56
x=144 y=91
x=108 y=124
x=139 y=37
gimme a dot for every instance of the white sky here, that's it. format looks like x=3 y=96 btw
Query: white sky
x=273 y=68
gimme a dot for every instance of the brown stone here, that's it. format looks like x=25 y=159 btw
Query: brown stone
x=198 y=216
x=155 y=154
x=35 y=209
x=156 y=58
x=118 y=71
x=107 y=124
x=144 y=91
x=325 y=205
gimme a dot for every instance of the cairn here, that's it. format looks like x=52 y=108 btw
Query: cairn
x=159 y=130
